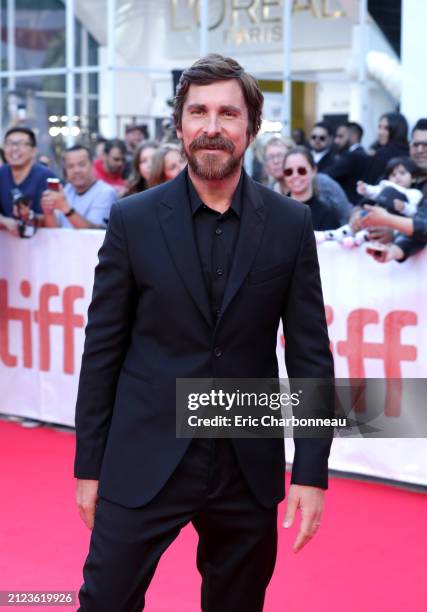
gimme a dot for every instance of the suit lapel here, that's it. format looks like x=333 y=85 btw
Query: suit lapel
x=250 y=233
x=177 y=224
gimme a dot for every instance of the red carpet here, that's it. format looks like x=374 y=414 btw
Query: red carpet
x=369 y=555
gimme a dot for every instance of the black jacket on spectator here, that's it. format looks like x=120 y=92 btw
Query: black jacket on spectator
x=348 y=168
x=412 y=244
x=326 y=162
x=323 y=216
x=375 y=170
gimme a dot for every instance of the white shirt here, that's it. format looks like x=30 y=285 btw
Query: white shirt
x=94 y=204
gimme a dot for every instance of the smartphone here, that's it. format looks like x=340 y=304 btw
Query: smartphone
x=53 y=184
x=376 y=248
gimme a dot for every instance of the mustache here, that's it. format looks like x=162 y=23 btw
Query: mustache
x=218 y=142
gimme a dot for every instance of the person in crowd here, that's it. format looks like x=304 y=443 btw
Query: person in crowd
x=393 y=142
x=395 y=193
x=275 y=150
x=352 y=161
x=99 y=148
x=298 y=136
x=141 y=167
x=45 y=160
x=299 y=171
x=330 y=192
x=167 y=163
x=85 y=201
x=21 y=173
x=321 y=140
x=111 y=167
x=135 y=134
x=418 y=153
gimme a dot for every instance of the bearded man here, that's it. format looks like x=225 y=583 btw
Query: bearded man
x=193 y=279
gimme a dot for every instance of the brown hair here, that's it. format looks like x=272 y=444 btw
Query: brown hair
x=213 y=68
x=157 y=175
x=301 y=150
x=136 y=182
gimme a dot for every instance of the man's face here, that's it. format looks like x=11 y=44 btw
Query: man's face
x=114 y=161
x=133 y=138
x=320 y=139
x=342 y=138
x=274 y=156
x=18 y=150
x=214 y=129
x=418 y=148
x=78 y=169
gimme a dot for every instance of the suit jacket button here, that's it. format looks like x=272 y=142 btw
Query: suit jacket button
x=217 y=351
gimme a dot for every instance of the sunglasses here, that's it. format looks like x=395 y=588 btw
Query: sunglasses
x=318 y=137
x=300 y=170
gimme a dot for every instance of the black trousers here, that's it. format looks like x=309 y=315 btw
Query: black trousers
x=237 y=538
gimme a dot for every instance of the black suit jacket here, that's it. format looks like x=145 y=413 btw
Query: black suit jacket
x=326 y=162
x=150 y=322
x=348 y=168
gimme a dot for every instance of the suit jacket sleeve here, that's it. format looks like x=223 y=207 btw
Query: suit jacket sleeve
x=307 y=353
x=110 y=319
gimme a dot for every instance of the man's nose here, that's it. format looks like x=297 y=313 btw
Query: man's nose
x=212 y=126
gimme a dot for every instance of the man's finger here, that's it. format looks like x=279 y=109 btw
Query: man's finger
x=87 y=514
x=309 y=525
x=291 y=508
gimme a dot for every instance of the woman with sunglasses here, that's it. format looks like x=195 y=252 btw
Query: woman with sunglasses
x=299 y=172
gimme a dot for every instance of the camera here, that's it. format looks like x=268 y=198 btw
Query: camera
x=22 y=212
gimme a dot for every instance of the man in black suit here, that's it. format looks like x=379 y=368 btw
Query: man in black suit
x=192 y=281
x=321 y=141
x=352 y=162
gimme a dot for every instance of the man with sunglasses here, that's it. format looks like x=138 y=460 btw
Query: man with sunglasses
x=321 y=139
x=21 y=172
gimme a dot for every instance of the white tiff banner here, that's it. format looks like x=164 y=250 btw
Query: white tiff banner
x=376 y=314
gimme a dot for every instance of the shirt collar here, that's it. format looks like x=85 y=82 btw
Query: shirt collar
x=196 y=203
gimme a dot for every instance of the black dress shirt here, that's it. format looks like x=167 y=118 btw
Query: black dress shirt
x=216 y=236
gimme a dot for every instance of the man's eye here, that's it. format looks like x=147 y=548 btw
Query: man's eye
x=196 y=112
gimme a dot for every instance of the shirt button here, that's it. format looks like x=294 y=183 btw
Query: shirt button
x=219 y=271
x=217 y=351
x=218 y=231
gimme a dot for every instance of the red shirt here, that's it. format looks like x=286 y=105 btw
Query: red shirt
x=116 y=179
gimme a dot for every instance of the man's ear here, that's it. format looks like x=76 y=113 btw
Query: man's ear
x=179 y=133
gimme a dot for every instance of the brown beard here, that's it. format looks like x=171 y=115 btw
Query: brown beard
x=210 y=167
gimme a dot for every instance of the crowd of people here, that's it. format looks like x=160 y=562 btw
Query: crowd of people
x=355 y=195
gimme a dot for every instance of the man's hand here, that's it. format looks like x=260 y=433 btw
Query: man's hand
x=376 y=216
x=310 y=500
x=380 y=234
x=86 y=498
x=54 y=200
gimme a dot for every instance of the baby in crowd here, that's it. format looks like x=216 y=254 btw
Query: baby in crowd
x=394 y=193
